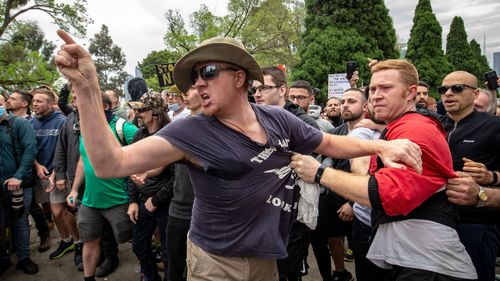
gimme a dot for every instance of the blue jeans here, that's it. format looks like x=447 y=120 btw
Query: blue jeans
x=141 y=240
x=21 y=227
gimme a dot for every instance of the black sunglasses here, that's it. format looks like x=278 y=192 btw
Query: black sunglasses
x=209 y=72
x=456 y=89
x=262 y=89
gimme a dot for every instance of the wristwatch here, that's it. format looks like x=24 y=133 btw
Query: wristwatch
x=482 y=196
x=319 y=173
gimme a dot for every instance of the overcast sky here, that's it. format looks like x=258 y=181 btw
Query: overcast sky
x=138 y=27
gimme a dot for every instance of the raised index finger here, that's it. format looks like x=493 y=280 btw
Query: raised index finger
x=65 y=37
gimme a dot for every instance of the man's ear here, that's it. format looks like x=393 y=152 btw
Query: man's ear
x=412 y=92
x=475 y=94
x=241 y=78
x=283 y=92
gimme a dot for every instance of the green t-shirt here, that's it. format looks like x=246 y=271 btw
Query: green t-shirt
x=105 y=193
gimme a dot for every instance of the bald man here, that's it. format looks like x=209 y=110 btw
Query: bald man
x=473 y=138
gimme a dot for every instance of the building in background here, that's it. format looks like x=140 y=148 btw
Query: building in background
x=496 y=62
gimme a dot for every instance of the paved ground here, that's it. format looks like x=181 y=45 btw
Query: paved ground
x=63 y=269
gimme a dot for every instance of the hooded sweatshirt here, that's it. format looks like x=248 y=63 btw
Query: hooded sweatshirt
x=47 y=129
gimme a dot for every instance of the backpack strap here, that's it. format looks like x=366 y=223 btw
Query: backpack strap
x=120 y=122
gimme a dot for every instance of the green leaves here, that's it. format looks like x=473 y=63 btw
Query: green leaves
x=156 y=57
x=339 y=31
x=25 y=54
x=71 y=17
x=461 y=54
x=424 y=46
x=457 y=46
x=109 y=60
x=26 y=58
x=269 y=29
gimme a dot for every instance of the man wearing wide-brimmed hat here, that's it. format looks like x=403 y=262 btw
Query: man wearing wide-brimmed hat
x=238 y=157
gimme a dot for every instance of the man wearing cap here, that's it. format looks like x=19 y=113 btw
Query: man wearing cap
x=150 y=192
x=176 y=105
x=237 y=153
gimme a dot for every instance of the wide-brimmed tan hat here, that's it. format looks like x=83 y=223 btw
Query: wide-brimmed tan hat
x=217 y=49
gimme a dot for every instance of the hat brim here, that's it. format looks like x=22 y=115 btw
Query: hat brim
x=217 y=52
x=136 y=104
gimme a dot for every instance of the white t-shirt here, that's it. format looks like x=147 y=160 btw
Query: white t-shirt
x=412 y=243
x=184 y=113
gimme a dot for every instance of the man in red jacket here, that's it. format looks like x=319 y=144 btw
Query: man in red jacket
x=415 y=222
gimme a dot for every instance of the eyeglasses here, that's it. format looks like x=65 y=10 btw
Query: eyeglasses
x=144 y=109
x=209 y=72
x=262 y=88
x=299 y=98
x=456 y=89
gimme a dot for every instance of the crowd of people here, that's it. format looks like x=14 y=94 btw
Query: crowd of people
x=231 y=174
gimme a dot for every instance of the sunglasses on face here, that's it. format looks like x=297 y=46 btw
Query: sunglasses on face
x=456 y=89
x=262 y=88
x=209 y=72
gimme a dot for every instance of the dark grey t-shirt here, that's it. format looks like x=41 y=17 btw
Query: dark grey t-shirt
x=182 y=202
x=243 y=190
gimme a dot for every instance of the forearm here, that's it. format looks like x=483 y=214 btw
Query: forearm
x=360 y=165
x=493 y=198
x=155 y=172
x=79 y=176
x=350 y=186
x=344 y=147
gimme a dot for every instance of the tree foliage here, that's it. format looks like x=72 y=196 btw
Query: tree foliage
x=109 y=60
x=458 y=50
x=156 y=57
x=369 y=18
x=424 y=45
x=339 y=31
x=481 y=65
x=269 y=29
x=26 y=57
x=327 y=52
x=71 y=17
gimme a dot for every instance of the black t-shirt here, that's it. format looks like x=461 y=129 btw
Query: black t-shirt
x=243 y=190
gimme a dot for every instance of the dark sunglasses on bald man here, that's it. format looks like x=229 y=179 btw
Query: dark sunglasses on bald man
x=209 y=72
x=456 y=89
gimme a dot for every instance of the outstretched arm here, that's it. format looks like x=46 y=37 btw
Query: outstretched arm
x=108 y=158
x=393 y=153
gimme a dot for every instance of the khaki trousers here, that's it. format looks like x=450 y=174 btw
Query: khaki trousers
x=208 y=267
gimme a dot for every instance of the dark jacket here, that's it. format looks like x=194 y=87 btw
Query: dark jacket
x=477 y=137
x=299 y=112
x=159 y=187
x=47 y=129
x=68 y=149
x=18 y=163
